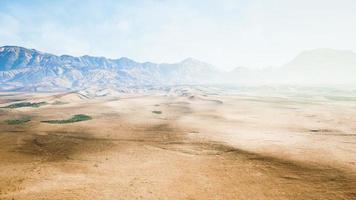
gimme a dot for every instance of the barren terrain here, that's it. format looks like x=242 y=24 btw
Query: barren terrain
x=184 y=144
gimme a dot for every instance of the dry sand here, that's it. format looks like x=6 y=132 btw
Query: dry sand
x=199 y=147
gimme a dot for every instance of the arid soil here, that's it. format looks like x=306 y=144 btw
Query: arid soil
x=169 y=146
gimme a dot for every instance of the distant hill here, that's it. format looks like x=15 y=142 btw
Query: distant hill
x=322 y=67
x=324 y=59
x=318 y=67
x=29 y=69
x=23 y=69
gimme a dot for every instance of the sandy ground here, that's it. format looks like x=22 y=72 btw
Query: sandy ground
x=199 y=147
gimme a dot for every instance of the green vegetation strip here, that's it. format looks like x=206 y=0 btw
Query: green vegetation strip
x=157 y=112
x=59 y=103
x=18 y=121
x=74 y=118
x=26 y=104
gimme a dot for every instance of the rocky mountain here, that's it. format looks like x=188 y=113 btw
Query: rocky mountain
x=32 y=70
x=29 y=69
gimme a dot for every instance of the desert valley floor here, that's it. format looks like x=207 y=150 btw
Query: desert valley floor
x=182 y=144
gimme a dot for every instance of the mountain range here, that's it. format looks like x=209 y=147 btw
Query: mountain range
x=23 y=69
x=29 y=69
x=317 y=67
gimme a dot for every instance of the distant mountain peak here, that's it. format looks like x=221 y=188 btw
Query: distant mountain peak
x=16 y=48
x=323 y=56
x=11 y=47
x=326 y=53
x=28 y=69
x=125 y=59
x=191 y=60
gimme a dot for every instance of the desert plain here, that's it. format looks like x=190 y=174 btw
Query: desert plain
x=178 y=143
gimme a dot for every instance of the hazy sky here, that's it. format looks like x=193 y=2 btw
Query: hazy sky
x=226 y=33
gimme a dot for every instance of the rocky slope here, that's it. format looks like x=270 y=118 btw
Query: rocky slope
x=29 y=69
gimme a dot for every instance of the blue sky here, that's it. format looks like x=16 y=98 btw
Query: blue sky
x=226 y=33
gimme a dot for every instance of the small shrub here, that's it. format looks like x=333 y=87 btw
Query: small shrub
x=26 y=104
x=74 y=118
x=59 y=103
x=18 y=121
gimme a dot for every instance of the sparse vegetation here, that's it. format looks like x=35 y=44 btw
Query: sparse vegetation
x=157 y=112
x=59 y=103
x=26 y=104
x=18 y=121
x=74 y=118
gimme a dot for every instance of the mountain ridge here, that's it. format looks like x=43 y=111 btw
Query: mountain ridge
x=120 y=59
x=22 y=68
x=32 y=70
x=316 y=67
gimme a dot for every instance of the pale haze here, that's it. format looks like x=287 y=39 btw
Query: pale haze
x=178 y=99
x=224 y=33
